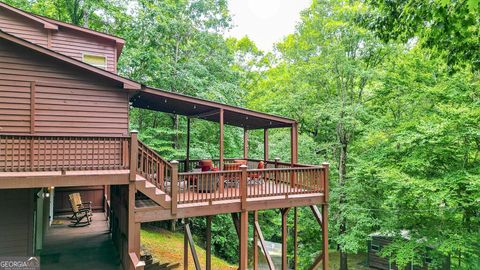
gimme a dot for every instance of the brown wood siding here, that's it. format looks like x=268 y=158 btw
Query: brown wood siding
x=67 y=41
x=68 y=101
x=16 y=223
x=21 y=27
x=14 y=106
x=74 y=44
x=93 y=194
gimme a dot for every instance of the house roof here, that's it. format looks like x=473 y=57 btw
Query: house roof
x=127 y=83
x=52 y=24
x=193 y=107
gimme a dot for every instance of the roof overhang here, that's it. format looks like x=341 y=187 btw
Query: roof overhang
x=175 y=103
x=46 y=24
x=127 y=83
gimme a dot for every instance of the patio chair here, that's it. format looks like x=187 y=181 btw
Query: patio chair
x=77 y=199
x=257 y=177
x=78 y=214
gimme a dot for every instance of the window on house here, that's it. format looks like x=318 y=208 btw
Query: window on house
x=99 y=61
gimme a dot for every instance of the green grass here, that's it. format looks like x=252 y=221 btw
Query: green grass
x=167 y=247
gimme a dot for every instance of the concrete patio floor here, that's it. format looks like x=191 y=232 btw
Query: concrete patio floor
x=88 y=247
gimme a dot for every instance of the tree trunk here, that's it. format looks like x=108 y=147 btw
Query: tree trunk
x=342 y=172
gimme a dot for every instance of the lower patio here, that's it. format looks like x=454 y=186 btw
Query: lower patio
x=89 y=247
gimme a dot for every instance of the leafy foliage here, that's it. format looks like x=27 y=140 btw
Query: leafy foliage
x=386 y=91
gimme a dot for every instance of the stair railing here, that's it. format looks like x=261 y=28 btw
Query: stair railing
x=153 y=167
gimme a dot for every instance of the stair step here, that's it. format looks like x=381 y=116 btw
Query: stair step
x=140 y=178
x=159 y=192
x=149 y=185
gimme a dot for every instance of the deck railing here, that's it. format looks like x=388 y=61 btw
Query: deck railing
x=153 y=167
x=21 y=153
x=196 y=187
x=206 y=186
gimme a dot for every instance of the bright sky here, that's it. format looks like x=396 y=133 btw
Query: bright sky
x=265 y=21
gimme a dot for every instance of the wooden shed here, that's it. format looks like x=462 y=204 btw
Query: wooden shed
x=375 y=260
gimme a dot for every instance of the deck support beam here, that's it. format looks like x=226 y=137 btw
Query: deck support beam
x=259 y=233
x=208 y=244
x=326 y=172
x=185 y=245
x=255 y=241
x=133 y=228
x=294 y=143
x=295 y=238
x=196 y=261
x=221 y=146
x=265 y=145
x=293 y=152
x=245 y=143
x=284 y=212
x=187 y=156
x=243 y=264
x=236 y=224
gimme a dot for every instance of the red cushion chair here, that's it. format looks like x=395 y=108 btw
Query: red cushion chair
x=261 y=165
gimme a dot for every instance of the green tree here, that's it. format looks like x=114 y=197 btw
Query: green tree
x=321 y=79
x=450 y=27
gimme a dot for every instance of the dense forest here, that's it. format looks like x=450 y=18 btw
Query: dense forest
x=386 y=91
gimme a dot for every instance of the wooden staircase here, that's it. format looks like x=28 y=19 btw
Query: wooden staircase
x=152 y=172
x=152 y=192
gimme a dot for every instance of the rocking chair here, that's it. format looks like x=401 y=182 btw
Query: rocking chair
x=79 y=214
x=77 y=199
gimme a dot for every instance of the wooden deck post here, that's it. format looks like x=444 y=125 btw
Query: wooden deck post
x=174 y=187
x=133 y=228
x=243 y=264
x=293 y=152
x=187 y=157
x=245 y=143
x=326 y=166
x=284 y=238
x=276 y=166
x=185 y=244
x=295 y=238
x=255 y=241
x=243 y=187
x=265 y=145
x=263 y=245
x=221 y=149
x=294 y=144
x=208 y=245
x=196 y=261
x=133 y=155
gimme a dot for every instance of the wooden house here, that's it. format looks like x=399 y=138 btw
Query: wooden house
x=64 y=129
